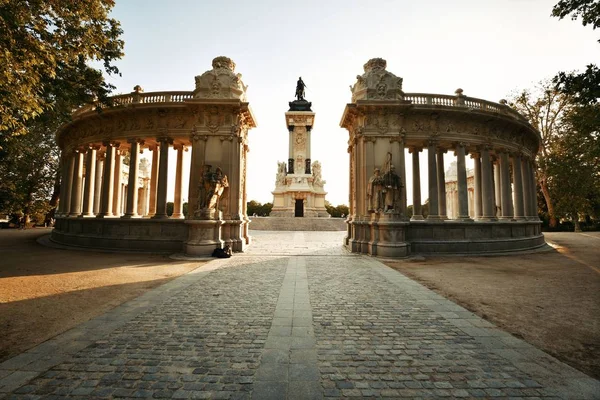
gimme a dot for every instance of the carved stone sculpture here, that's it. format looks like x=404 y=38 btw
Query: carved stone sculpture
x=377 y=83
x=221 y=82
x=281 y=173
x=392 y=187
x=210 y=189
x=375 y=191
x=317 y=178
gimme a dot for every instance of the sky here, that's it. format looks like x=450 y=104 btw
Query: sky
x=488 y=48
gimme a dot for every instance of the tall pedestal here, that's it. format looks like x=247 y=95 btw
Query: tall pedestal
x=299 y=188
x=204 y=236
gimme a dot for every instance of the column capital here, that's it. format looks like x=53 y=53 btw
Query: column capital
x=441 y=150
x=108 y=143
x=164 y=140
x=92 y=146
x=136 y=140
x=413 y=149
x=180 y=146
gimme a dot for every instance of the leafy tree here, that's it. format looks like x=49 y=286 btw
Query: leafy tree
x=29 y=167
x=574 y=166
x=546 y=108
x=45 y=47
x=585 y=86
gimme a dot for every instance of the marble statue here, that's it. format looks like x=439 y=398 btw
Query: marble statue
x=210 y=188
x=281 y=173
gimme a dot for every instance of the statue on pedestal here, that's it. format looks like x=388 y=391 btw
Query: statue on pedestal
x=392 y=187
x=300 y=89
x=210 y=189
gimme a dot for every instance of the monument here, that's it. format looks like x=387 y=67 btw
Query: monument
x=299 y=185
x=385 y=125
x=99 y=210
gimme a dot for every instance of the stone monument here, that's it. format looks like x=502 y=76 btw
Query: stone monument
x=299 y=185
x=217 y=193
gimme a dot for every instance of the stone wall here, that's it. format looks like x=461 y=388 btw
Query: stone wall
x=297 y=224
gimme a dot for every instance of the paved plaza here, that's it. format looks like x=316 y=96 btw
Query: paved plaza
x=296 y=317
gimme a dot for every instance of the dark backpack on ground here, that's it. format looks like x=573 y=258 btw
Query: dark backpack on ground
x=225 y=252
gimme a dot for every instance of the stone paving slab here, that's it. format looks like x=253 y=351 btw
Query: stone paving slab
x=298 y=319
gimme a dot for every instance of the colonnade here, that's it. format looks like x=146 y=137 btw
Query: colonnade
x=101 y=192
x=504 y=184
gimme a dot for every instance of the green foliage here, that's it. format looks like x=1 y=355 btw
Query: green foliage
x=587 y=10
x=585 y=86
x=28 y=167
x=574 y=166
x=338 y=211
x=546 y=109
x=258 y=209
x=45 y=47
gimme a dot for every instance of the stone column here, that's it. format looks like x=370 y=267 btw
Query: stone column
x=477 y=201
x=132 y=184
x=441 y=181
x=153 y=181
x=461 y=183
x=64 y=200
x=163 y=175
x=291 y=160
x=77 y=181
x=505 y=192
x=533 y=180
x=69 y=181
x=526 y=187
x=98 y=183
x=90 y=181
x=417 y=212
x=433 y=182
x=487 y=186
x=116 y=204
x=178 y=203
x=497 y=189
x=518 y=184
x=108 y=177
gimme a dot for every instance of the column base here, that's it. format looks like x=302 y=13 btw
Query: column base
x=486 y=219
x=417 y=218
x=104 y=215
x=177 y=216
x=160 y=216
x=434 y=218
x=464 y=218
x=130 y=216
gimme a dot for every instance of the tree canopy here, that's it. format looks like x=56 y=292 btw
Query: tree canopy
x=585 y=86
x=45 y=50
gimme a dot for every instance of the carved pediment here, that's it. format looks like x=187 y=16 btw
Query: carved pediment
x=377 y=83
x=221 y=82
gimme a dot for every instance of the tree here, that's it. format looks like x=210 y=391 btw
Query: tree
x=29 y=167
x=574 y=165
x=45 y=47
x=545 y=107
x=584 y=87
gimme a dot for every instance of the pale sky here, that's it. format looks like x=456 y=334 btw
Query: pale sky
x=488 y=48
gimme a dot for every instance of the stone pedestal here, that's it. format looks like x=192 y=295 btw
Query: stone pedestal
x=204 y=236
x=388 y=235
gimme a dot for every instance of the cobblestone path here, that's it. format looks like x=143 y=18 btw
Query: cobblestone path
x=302 y=321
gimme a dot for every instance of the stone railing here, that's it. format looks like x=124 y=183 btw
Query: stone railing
x=462 y=101
x=125 y=100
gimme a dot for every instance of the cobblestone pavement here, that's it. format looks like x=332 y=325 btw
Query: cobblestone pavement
x=304 y=320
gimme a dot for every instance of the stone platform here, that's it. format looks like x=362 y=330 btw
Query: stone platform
x=301 y=320
x=297 y=224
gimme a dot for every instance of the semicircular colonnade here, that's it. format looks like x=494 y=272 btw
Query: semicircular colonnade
x=99 y=210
